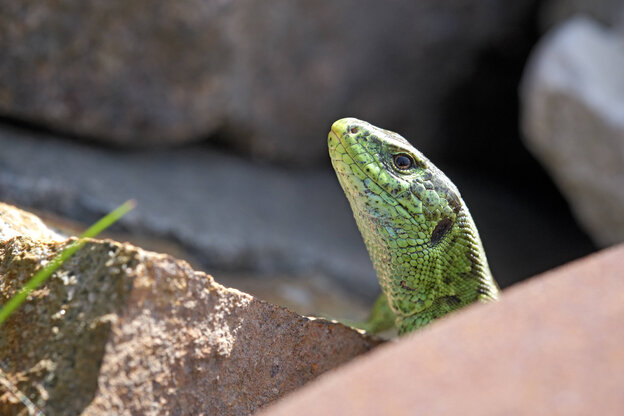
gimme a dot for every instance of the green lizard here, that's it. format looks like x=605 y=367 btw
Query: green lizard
x=418 y=231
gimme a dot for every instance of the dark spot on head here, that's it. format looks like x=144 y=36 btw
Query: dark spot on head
x=416 y=189
x=372 y=140
x=440 y=230
x=354 y=130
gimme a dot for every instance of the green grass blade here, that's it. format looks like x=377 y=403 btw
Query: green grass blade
x=46 y=271
x=109 y=219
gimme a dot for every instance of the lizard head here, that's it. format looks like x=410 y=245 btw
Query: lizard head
x=386 y=178
x=417 y=229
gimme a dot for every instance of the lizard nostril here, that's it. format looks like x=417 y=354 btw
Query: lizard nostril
x=440 y=230
x=354 y=130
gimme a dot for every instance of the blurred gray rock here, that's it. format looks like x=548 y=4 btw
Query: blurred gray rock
x=573 y=119
x=268 y=77
x=229 y=213
x=553 y=12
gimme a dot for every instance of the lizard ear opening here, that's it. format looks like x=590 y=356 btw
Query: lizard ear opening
x=440 y=230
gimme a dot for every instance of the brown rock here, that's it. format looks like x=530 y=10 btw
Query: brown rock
x=551 y=346
x=119 y=330
x=15 y=222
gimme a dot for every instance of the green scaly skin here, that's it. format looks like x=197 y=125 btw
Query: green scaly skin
x=418 y=231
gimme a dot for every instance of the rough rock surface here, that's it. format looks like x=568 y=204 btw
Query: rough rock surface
x=552 y=346
x=118 y=330
x=270 y=76
x=573 y=118
x=16 y=222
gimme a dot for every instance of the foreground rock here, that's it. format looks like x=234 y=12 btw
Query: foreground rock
x=15 y=222
x=119 y=330
x=271 y=75
x=573 y=118
x=551 y=346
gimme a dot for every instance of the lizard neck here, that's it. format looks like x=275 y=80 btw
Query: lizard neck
x=425 y=280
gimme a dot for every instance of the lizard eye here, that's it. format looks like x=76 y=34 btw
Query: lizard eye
x=403 y=161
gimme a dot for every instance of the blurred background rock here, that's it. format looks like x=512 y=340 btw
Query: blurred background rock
x=213 y=115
